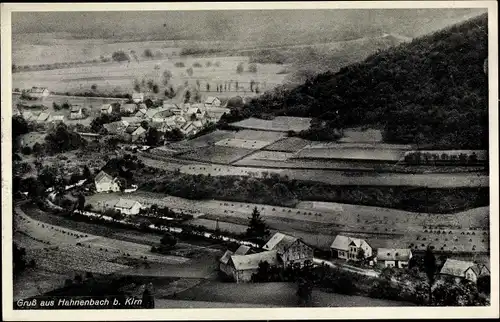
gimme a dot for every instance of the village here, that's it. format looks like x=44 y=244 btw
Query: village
x=215 y=182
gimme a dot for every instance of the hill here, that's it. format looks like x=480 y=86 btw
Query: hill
x=431 y=91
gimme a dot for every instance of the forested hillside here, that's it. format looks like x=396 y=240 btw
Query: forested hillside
x=432 y=90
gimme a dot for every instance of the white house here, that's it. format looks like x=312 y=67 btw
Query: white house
x=394 y=257
x=290 y=249
x=56 y=119
x=464 y=270
x=138 y=97
x=212 y=101
x=348 y=248
x=128 y=206
x=76 y=112
x=224 y=260
x=106 y=109
x=189 y=128
x=106 y=183
x=136 y=133
x=38 y=92
x=242 y=267
x=128 y=108
x=42 y=117
x=142 y=113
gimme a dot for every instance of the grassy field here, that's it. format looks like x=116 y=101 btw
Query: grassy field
x=243 y=144
x=317 y=152
x=216 y=154
x=221 y=170
x=279 y=294
x=278 y=124
x=289 y=144
x=120 y=77
x=259 y=135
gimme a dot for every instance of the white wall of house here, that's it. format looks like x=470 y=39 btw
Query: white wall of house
x=107 y=187
x=470 y=275
x=390 y=263
x=130 y=211
x=244 y=276
x=297 y=253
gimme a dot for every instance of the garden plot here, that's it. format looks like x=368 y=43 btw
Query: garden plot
x=267 y=136
x=269 y=156
x=358 y=135
x=204 y=140
x=289 y=144
x=322 y=152
x=216 y=154
x=221 y=170
x=278 y=124
x=244 y=144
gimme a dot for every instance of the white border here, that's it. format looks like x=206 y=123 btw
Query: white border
x=243 y=314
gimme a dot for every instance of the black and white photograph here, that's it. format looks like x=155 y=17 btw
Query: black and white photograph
x=221 y=156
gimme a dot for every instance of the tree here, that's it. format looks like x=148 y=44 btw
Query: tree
x=208 y=87
x=239 y=68
x=168 y=240
x=430 y=269
x=484 y=284
x=156 y=89
x=252 y=83
x=152 y=137
x=252 y=68
x=257 y=228
x=81 y=202
x=304 y=291
x=167 y=75
x=187 y=96
x=86 y=173
x=93 y=87
x=120 y=56
x=189 y=71
x=361 y=254
x=148 y=53
x=19 y=260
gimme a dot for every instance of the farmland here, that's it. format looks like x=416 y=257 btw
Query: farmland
x=278 y=124
x=216 y=154
x=289 y=144
x=240 y=143
x=318 y=152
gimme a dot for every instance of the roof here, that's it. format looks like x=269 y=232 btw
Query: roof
x=27 y=115
x=152 y=112
x=456 y=267
x=210 y=99
x=187 y=125
x=343 y=242
x=279 y=241
x=76 y=109
x=142 y=106
x=169 y=105
x=116 y=127
x=137 y=95
x=193 y=110
x=242 y=250
x=141 y=112
x=43 y=116
x=131 y=119
x=131 y=129
x=129 y=105
x=57 y=118
x=246 y=262
x=35 y=89
x=393 y=254
x=138 y=131
x=226 y=257
x=101 y=176
x=198 y=124
x=126 y=203
x=105 y=106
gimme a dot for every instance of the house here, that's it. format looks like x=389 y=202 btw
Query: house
x=224 y=260
x=89 y=136
x=198 y=125
x=16 y=112
x=42 y=117
x=142 y=106
x=394 y=257
x=349 y=248
x=178 y=111
x=138 y=97
x=142 y=113
x=106 y=183
x=56 y=119
x=132 y=120
x=464 y=270
x=198 y=113
x=216 y=113
x=106 y=109
x=38 y=92
x=242 y=267
x=135 y=133
x=212 y=102
x=169 y=106
x=116 y=128
x=76 y=112
x=128 y=108
x=179 y=120
x=290 y=249
x=128 y=206
x=29 y=116
x=188 y=128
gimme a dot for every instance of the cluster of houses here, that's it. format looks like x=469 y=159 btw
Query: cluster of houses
x=284 y=250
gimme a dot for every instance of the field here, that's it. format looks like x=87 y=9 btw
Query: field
x=269 y=156
x=119 y=77
x=259 y=135
x=319 y=152
x=289 y=144
x=221 y=170
x=202 y=141
x=279 y=294
x=216 y=154
x=243 y=144
x=278 y=124
x=359 y=135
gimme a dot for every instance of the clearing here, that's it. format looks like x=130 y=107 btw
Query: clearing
x=278 y=124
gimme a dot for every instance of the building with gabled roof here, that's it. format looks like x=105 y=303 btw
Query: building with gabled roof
x=38 y=92
x=242 y=267
x=128 y=108
x=76 y=112
x=116 y=128
x=138 y=97
x=212 y=101
x=132 y=120
x=464 y=270
x=224 y=260
x=394 y=257
x=29 y=116
x=128 y=206
x=106 y=109
x=349 y=248
x=291 y=250
x=42 y=117
x=56 y=118
x=136 y=132
x=106 y=183
x=142 y=113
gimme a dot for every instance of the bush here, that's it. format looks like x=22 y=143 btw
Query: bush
x=252 y=68
x=197 y=65
x=179 y=64
x=120 y=56
x=26 y=150
x=239 y=68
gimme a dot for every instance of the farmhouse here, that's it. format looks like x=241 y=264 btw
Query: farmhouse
x=349 y=248
x=195 y=113
x=135 y=133
x=117 y=127
x=189 y=128
x=106 y=183
x=76 y=112
x=106 y=109
x=56 y=119
x=128 y=206
x=29 y=116
x=242 y=267
x=224 y=260
x=128 y=108
x=138 y=97
x=38 y=92
x=216 y=113
x=212 y=101
x=394 y=257
x=464 y=270
x=15 y=111
x=132 y=120
x=290 y=250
